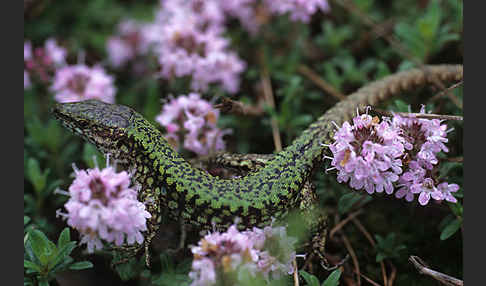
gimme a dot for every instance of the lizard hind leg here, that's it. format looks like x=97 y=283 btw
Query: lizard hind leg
x=316 y=220
x=124 y=253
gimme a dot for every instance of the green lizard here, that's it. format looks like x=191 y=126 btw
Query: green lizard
x=169 y=184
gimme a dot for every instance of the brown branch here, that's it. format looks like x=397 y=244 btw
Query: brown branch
x=317 y=80
x=364 y=231
x=393 y=274
x=350 y=249
x=383 y=273
x=344 y=222
x=442 y=278
x=368 y=236
x=418 y=115
x=440 y=94
x=369 y=280
x=455 y=159
x=268 y=94
x=228 y=105
x=296 y=272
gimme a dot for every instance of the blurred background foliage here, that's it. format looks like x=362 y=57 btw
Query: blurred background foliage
x=349 y=46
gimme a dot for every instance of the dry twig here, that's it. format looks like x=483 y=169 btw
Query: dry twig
x=338 y=226
x=350 y=249
x=440 y=94
x=369 y=280
x=268 y=94
x=228 y=105
x=368 y=236
x=296 y=272
x=442 y=278
x=393 y=274
x=418 y=115
x=320 y=82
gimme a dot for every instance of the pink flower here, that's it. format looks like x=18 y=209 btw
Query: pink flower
x=55 y=53
x=42 y=62
x=367 y=154
x=80 y=82
x=27 y=82
x=27 y=51
x=446 y=190
x=426 y=190
x=404 y=192
x=188 y=38
x=401 y=152
x=119 y=52
x=131 y=39
x=300 y=10
x=102 y=206
x=267 y=252
x=192 y=120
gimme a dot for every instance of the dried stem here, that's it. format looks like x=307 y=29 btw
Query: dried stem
x=228 y=105
x=268 y=94
x=442 y=278
x=350 y=249
x=383 y=273
x=320 y=82
x=369 y=280
x=440 y=94
x=296 y=272
x=344 y=222
x=393 y=274
x=368 y=236
x=418 y=115
x=364 y=231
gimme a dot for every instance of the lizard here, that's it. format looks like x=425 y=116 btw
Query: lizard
x=171 y=186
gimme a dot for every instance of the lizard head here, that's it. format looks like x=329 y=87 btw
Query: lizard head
x=102 y=124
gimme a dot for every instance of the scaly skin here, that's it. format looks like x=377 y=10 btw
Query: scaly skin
x=170 y=184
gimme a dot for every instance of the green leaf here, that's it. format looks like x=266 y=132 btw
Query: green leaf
x=28 y=281
x=40 y=245
x=36 y=176
x=28 y=249
x=26 y=220
x=26 y=236
x=63 y=252
x=81 y=265
x=63 y=265
x=380 y=256
x=333 y=279
x=401 y=106
x=456 y=208
x=450 y=229
x=310 y=279
x=127 y=271
x=43 y=283
x=31 y=265
x=64 y=238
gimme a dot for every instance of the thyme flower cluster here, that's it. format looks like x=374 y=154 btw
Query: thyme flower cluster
x=128 y=43
x=226 y=256
x=192 y=120
x=41 y=62
x=188 y=37
x=80 y=82
x=103 y=206
x=69 y=83
x=399 y=152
